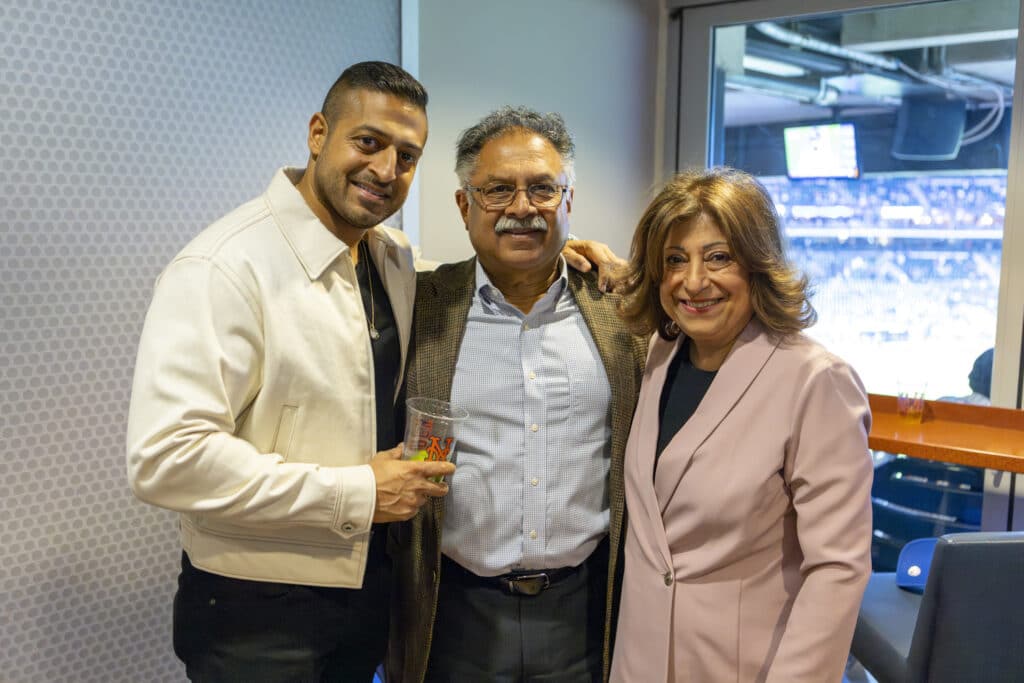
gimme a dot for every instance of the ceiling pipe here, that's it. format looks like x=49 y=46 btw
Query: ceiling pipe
x=793 y=38
x=825 y=95
x=822 y=96
x=809 y=60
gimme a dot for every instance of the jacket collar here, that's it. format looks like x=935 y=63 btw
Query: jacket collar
x=744 y=363
x=315 y=247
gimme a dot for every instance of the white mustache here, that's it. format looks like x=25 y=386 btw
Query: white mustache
x=506 y=223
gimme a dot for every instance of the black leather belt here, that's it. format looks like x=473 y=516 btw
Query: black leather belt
x=514 y=583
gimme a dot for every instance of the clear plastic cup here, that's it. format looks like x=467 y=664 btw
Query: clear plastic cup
x=430 y=429
x=910 y=402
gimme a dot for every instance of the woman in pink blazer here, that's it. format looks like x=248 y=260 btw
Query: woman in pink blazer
x=748 y=474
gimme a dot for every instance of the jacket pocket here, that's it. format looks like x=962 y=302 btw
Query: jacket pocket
x=285 y=430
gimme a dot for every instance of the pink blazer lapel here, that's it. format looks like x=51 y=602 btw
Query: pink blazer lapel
x=752 y=350
x=640 y=452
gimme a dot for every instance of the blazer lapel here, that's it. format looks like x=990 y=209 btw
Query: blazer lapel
x=599 y=311
x=443 y=299
x=752 y=350
x=617 y=349
x=640 y=454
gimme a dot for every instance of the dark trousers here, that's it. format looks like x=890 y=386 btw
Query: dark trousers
x=228 y=630
x=483 y=633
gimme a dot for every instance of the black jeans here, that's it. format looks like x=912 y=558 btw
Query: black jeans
x=261 y=632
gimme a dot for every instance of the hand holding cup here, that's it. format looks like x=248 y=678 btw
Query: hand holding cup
x=403 y=486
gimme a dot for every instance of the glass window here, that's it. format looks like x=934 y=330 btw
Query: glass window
x=883 y=137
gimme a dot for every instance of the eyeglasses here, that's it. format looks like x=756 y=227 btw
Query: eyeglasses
x=495 y=196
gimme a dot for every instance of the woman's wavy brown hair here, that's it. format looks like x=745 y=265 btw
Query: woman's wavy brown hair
x=743 y=210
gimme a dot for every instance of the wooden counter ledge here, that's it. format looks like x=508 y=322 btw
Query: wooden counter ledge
x=978 y=436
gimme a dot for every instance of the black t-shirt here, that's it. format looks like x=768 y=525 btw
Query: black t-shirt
x=387 y=353
x=685 y=386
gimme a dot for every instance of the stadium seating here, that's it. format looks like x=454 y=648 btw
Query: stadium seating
x=912 y=498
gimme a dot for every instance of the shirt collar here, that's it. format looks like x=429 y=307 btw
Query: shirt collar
x=486 y=289
x=314 y=245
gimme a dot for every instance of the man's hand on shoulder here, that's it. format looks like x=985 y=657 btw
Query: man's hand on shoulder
x=403 y=486
x=582 y=255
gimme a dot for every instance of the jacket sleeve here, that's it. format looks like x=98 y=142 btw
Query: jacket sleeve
x=829 y=471
x=199 y=367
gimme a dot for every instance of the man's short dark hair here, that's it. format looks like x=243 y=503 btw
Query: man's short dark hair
x=377 y=77
x=550 y=126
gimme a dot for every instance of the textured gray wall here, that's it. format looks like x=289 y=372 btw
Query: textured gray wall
x=125 y=127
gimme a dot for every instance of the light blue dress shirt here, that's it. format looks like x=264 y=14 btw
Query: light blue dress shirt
x=531 y=486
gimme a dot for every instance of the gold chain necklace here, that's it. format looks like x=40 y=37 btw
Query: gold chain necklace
x=364 y=253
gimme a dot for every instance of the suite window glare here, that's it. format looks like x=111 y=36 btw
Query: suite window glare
x=772 y=67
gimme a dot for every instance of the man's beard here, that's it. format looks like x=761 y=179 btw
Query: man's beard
x=351 y=212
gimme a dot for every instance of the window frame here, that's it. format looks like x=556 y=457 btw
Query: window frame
x=688 y=139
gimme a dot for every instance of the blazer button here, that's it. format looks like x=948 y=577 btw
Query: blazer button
x=668 y=578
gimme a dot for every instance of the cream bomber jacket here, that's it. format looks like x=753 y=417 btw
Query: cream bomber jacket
x=252 y=410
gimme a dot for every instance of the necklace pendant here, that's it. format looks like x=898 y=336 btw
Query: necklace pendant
x=374 y=334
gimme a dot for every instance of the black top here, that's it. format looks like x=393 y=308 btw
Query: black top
x=685 y=386
x=387 y=353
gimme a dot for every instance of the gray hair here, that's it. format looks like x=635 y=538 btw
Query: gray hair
x=550 y=126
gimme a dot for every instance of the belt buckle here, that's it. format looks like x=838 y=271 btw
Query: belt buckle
x=528 y=584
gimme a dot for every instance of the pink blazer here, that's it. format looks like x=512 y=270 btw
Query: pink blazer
x=747 y=554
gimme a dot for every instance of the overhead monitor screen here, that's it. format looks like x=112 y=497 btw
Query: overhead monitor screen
x=824 y=151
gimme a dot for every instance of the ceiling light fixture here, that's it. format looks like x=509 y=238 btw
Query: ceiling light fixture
x=772 y=67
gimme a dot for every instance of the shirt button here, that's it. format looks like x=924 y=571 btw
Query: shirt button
x=668 y=578
x=533 y=375
x=534 y=481
x=534 y=428
x=533 y=535
x=526 y=326
x=348 y=526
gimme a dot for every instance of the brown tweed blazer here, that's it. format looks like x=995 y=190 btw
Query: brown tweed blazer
x=443 y=299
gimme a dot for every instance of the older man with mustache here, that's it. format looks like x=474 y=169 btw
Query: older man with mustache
x=514 y=576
